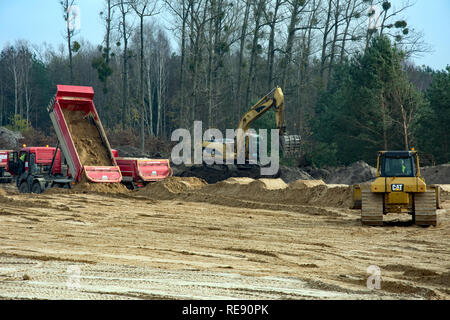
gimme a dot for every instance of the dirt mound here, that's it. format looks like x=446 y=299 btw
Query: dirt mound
x=9 y=139
x=242 y=180
x=271 y=191
x=100 y=187
x=319 y=194
x=170 y=187
x=358 y=172
x=445 y=192
x=289 y=174
x=87 y=140
x=437 y=174
x=303 y=184
x=299 y=192
x=272 y=184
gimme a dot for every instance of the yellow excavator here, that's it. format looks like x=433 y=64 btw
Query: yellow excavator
x=289 y=144
x=398 y=188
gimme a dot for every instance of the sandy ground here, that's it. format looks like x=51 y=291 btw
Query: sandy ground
x=199 y=245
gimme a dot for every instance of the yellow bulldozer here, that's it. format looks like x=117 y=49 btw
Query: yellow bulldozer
x=398 y=188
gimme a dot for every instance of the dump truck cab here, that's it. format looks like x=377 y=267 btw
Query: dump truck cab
x=5 y=176
x=398 y=188
x=38 y=168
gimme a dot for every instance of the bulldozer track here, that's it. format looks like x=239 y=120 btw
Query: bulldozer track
x=371 y=208
x=425 y=208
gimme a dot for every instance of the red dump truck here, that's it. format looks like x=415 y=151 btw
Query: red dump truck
x=5 y=176
x=38 y=168
x=138 y=172
x=81 y=136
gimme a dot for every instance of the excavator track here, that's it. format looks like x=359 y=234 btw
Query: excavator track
x=371 y=208
x=425 y=208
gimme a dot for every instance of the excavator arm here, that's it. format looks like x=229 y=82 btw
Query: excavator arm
x=274 y=99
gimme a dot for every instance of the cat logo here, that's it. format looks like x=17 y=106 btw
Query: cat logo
x=397 y=187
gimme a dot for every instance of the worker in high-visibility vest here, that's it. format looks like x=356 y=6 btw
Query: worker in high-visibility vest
x=22 y=159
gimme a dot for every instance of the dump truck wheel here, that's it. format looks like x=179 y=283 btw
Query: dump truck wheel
x=24 y=187
x=130 y=186
x=36 y=188
x=371 y=208
x=425 y=208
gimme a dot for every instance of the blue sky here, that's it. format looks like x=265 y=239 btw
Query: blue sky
x=40 y=21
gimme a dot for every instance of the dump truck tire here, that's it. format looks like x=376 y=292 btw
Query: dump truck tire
x=24 y=187
x=36 y=188
x=425 y=208
x=371 y=208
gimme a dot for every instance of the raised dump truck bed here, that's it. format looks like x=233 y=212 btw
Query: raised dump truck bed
x=81 y=135
x=137 y=172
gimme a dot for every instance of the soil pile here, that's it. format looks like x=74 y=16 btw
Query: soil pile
x=445 y=192
x=86 y=186
x=316 y=192
x=170 y=187
x=437 y=174
x=289 y=174
x=358 y=172
x=300 y=192
x=303 y=184
x=248 y=190
x=87 y=140
x=9 y=139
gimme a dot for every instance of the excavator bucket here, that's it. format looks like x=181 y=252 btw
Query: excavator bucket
x=290 y=145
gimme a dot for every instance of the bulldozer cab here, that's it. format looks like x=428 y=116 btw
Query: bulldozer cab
x=397 y=164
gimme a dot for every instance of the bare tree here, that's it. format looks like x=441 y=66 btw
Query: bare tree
x=67 y=5
x=181 y=10
x=258 y=10
x=272 y=18
x=125 y=31
x=241 y=55
x=143 y=9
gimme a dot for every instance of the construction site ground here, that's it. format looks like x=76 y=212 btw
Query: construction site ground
x=241 y=239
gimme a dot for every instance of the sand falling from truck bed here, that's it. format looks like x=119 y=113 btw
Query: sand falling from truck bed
x=91 y=150
x=87 y=140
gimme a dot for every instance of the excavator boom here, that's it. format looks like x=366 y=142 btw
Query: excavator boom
x=289 y=144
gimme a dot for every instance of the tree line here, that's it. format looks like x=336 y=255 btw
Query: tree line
x=343 y=66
